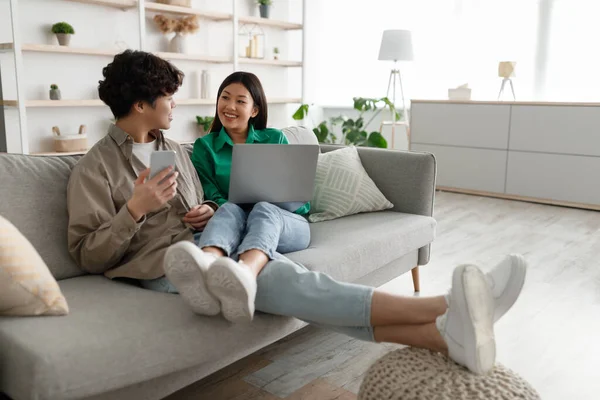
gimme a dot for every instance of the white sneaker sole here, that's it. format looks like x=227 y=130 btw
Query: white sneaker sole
x=182 y=269
x=478 y=303
x=507 y=299
x=237 y=304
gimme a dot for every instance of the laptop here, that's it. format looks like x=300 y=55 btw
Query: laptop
x=283 y=174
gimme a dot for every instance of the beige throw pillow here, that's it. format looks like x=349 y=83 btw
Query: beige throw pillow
x=26 y=285
x=343 y=187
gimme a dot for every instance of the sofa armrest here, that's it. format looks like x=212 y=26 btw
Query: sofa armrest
x=407 y=179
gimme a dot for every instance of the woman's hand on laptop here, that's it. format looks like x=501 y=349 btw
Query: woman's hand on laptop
x=199 y=216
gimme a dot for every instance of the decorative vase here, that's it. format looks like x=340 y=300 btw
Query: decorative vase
x=178 y=44
x=264 y=10
x=55 y=94
x=205 y=85
x=63 y=38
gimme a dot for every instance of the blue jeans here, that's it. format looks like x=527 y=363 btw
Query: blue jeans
x=290 y=289
x=266 y=227
x=284 y=287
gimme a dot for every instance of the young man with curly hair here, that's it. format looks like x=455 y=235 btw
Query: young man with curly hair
x=121 y=224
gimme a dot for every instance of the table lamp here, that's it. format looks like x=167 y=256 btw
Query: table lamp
x=506 y=70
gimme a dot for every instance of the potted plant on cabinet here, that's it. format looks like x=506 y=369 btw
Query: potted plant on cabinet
x=63 y=32
x=275 y=53
x=264 y=7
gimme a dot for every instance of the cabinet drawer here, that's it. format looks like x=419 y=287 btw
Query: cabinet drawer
x=467 y=125
x=556 y=129
x=464 y=168
x=555 y=177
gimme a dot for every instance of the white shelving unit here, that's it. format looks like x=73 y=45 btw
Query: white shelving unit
x=142 y=7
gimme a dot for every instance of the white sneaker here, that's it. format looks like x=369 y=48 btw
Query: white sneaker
x=506 y=281
x=467 y=327
x=186 y=266
x=235 y=287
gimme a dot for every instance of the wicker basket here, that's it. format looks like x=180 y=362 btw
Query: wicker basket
x=70 y=143
x=182 y=3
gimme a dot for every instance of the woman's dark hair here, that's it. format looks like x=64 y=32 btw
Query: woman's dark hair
x=137 y=76
x=252 y=83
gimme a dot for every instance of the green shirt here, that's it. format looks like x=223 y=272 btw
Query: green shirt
x=212 y=159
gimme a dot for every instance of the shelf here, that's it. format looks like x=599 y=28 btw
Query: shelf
x=169 y=9
x=52 y=48
x=195 y=102
x=273 y=23
x=100 y=103
x=284 y=100
x=121 y=4
x=194 y=57
x=274 y=63
x=60 y=153
x=216 y=16
x=64 y=103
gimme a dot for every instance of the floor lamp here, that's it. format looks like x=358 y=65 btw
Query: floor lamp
x=396 y=45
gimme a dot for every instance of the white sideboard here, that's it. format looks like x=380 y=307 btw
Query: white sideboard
x=543 y=152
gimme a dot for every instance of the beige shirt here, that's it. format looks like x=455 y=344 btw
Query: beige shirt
x=103 y=236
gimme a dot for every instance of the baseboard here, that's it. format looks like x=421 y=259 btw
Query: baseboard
x=584 y=206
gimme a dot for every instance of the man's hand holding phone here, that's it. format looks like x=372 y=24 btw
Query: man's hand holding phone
x=151 y=194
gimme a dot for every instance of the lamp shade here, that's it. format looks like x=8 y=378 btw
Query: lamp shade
x=506 y=69
x=396 y=45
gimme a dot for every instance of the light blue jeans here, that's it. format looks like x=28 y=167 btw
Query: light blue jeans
x=266 y=227
x=290 y=289
x=287 y=288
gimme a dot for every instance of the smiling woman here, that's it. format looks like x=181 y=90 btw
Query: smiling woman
x=254 y=235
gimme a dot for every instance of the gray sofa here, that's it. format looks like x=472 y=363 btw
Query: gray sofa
x=123 y=342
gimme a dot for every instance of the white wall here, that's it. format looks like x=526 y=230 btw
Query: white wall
x=103 y=27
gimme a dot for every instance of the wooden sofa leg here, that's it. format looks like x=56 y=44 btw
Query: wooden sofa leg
x=415 y=278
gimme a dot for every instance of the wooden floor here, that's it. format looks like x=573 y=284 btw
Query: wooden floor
x=550 y=337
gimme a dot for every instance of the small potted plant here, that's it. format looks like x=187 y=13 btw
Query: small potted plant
x=55 y=92
x=264 y=7
x=63 y=32
x=204 y=124
x=275 y=53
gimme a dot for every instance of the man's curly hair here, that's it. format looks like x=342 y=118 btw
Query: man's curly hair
x=137 y=76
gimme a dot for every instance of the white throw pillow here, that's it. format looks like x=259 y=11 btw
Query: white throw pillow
x=343 y=187
x=26 y=285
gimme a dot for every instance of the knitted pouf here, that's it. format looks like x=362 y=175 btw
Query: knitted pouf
x=416 y=374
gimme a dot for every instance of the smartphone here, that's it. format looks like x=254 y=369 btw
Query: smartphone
x=159 y=160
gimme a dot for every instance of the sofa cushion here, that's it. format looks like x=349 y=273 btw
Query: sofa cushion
x=34 y=199
x=300 y=135
x=343 y=187
x=351 y=247
x=117 y=335
x=26 y=285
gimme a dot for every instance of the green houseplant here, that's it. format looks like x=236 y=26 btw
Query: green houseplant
x=204 y=124
x=63 y=32
x=275 y=53
x=264 y=7
x=353 y=131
